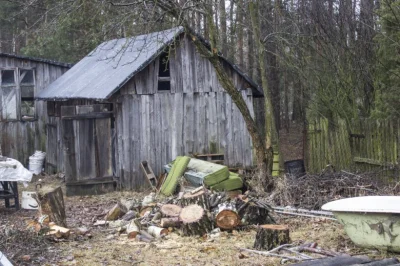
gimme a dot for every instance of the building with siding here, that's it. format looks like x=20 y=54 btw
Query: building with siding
x=23 y=121
x=150 y=97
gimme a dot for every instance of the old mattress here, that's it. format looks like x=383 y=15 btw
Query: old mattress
x=209 y=173
x=177 y=171
x=232 y=183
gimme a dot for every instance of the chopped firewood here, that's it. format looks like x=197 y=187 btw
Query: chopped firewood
x=270 y=236
x=132 y=229
x=200 y=198
x=129 y=216
x=145 y=234
x=226 y=216
x=196 y=220
x=143 y=239
x=170 y=222
x=34 y=225
x=157 y=216
x=51 y=203
x=171 y=210
x=145 y=210
x=157 y=231
x=116 y=212
x=100 y=223
x=58 y=231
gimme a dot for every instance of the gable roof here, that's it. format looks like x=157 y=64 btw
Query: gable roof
x=39 y=60
x=113 y=63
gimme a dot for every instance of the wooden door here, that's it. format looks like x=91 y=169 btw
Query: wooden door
x=86 y=132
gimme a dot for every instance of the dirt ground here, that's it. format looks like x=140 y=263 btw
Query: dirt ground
x=105 y=247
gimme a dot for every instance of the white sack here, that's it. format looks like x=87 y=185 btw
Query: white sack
x=12 y=170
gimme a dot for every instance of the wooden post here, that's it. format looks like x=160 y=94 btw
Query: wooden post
x=51 y=203
x=270 y=236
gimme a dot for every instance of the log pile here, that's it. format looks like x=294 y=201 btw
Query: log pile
x=192 y=213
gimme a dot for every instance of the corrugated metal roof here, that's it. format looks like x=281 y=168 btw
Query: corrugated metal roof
x=40 y=60
x=107 y=68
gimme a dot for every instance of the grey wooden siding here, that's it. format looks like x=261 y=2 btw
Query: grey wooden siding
x=19 y=139
x=196 y=116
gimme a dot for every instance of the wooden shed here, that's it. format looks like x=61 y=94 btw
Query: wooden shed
x=23 y=121
x=150 y=97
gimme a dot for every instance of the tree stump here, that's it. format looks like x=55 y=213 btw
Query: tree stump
x=226 y=216
x=270 y=236
x=195 y=221
x=51 y=203
x=200 y=198
x=171 y=210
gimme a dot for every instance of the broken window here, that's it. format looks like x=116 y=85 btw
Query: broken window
x=8 y=95
x=164 y=79
x=27 y=86
x=17 y=94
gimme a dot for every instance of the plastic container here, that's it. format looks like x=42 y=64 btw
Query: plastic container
x=28 y=202
x=36 y=162
x=295 y=168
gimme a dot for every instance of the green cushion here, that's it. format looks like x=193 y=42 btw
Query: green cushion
x=232 y=183
x=178 y=169
x=211 y=173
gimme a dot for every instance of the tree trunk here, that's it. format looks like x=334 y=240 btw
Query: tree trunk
x=270 y=236
x=271 y=134
x=51 y=203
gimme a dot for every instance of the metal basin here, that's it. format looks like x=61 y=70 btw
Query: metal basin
x=371 y=222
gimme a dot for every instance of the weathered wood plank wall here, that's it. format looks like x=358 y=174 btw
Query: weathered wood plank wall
x=196 y=116
x=19 y=139
x=363 y=146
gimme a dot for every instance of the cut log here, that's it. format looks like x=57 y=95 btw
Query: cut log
x=129 y=216
x=270 y=236
x=170 y=222
x=146 y=235
x=226 y=216
x=157 y=232
x=58 y=231
x=171 y=210
x=51 y=203
x=132 y=229
x=195 y=221
x=116 y=212
x=200 y=198
x=250 y=213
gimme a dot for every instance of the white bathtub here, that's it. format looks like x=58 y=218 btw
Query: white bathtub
x=372 y=222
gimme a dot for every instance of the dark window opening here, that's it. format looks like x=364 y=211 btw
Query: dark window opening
x=7 y=77
x=164 y=85
x=27 y=87
x=164 y=80
x=163 y=70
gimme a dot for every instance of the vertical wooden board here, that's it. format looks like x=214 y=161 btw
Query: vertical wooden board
x=154 y=127
x=69 y=151
x=86 y=149
x=193 y=66
x=119 y=152
x=188 y=124
x=158 y=140
x=177 y=70
x=103 y=147
x=125 y=143
x=135 y=138
x=186 y=71
x=221 y=120
x=229 y=157
x=201 y=79
x=177 y=126
x=166 y=101
x=212 y=123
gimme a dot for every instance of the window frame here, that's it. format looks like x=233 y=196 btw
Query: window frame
x=18 y=94
x=163 y=79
